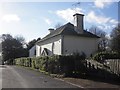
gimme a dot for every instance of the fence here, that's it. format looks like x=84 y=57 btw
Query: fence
x=113 y=65
x=110 y=68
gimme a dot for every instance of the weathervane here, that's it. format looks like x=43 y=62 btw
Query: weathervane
x=75 y=6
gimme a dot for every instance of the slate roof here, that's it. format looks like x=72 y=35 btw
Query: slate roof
x=68 y=29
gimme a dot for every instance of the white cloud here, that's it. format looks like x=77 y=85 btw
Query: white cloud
x=48 y=21
x=99 y=4
x=67 y=14
x=10 y=17
x=113 y=21
x=102 y=3
x=105 y=27
x=102 y=22
x=93 y=18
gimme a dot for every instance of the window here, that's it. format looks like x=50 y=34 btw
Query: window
x=40 y=50
x=53 y=47
x=34 y=52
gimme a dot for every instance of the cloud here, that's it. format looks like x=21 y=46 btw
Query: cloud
x=67 y=14
x=104 y=27
x=11 y=17
x=48 y=21
x=99 y=4
x=102 y=22
x=113 y=21
x=93 y=18
x=102 y=3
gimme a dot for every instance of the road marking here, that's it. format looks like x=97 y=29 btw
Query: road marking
x=69 y=83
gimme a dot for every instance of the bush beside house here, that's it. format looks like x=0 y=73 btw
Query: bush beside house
x=57 y=64
x=101 y=56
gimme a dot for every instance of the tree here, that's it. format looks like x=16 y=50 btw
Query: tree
x=103 y=42
x=32 y=43
x=58 y=25
x=20 y=39
x=12 y=48
x=115 y=39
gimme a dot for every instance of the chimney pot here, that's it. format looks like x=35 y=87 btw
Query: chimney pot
x=51 y=30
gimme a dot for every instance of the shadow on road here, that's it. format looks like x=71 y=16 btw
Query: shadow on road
x=115 y=81
x=3 y=66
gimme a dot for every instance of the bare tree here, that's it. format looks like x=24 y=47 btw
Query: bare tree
x=32 y=43
x=115 y=38
x=103 y=42
x=20 y=38
x=58 y=25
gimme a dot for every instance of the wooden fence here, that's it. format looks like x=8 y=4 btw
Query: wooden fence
x=110 y=66
x=113 y=65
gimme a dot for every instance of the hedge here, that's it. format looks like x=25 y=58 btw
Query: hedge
x=101 y=56
x=56 y=64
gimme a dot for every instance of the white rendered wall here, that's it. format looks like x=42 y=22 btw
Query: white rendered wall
x=37 y=50
x=48 y=44
x=0 y=53
x=80 y=44
x=32 y=51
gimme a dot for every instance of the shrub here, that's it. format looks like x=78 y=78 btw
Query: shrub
x=43 y=63
x=101 y=56
x=33 y=63
x=56 y=64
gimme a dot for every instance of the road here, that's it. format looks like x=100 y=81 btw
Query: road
x=19 y=77
x=0 y=76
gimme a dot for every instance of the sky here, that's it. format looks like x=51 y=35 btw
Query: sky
x=33 y=19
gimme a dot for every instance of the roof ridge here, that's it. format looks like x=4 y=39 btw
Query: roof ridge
x=65 y=26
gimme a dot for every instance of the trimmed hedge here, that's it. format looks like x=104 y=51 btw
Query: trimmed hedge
x=101 y=56
x=57 y=64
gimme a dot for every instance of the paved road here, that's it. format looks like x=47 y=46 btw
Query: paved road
x=0 y=77
x=19 y=77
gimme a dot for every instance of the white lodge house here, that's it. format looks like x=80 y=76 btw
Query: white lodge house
x=67 y=39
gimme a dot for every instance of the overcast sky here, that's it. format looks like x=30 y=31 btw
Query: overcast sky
x=33 y=19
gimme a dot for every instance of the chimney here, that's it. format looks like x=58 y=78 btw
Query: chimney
x=78 y=23
x=51 y=30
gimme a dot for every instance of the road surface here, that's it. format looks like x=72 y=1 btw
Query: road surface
x=19 y=77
